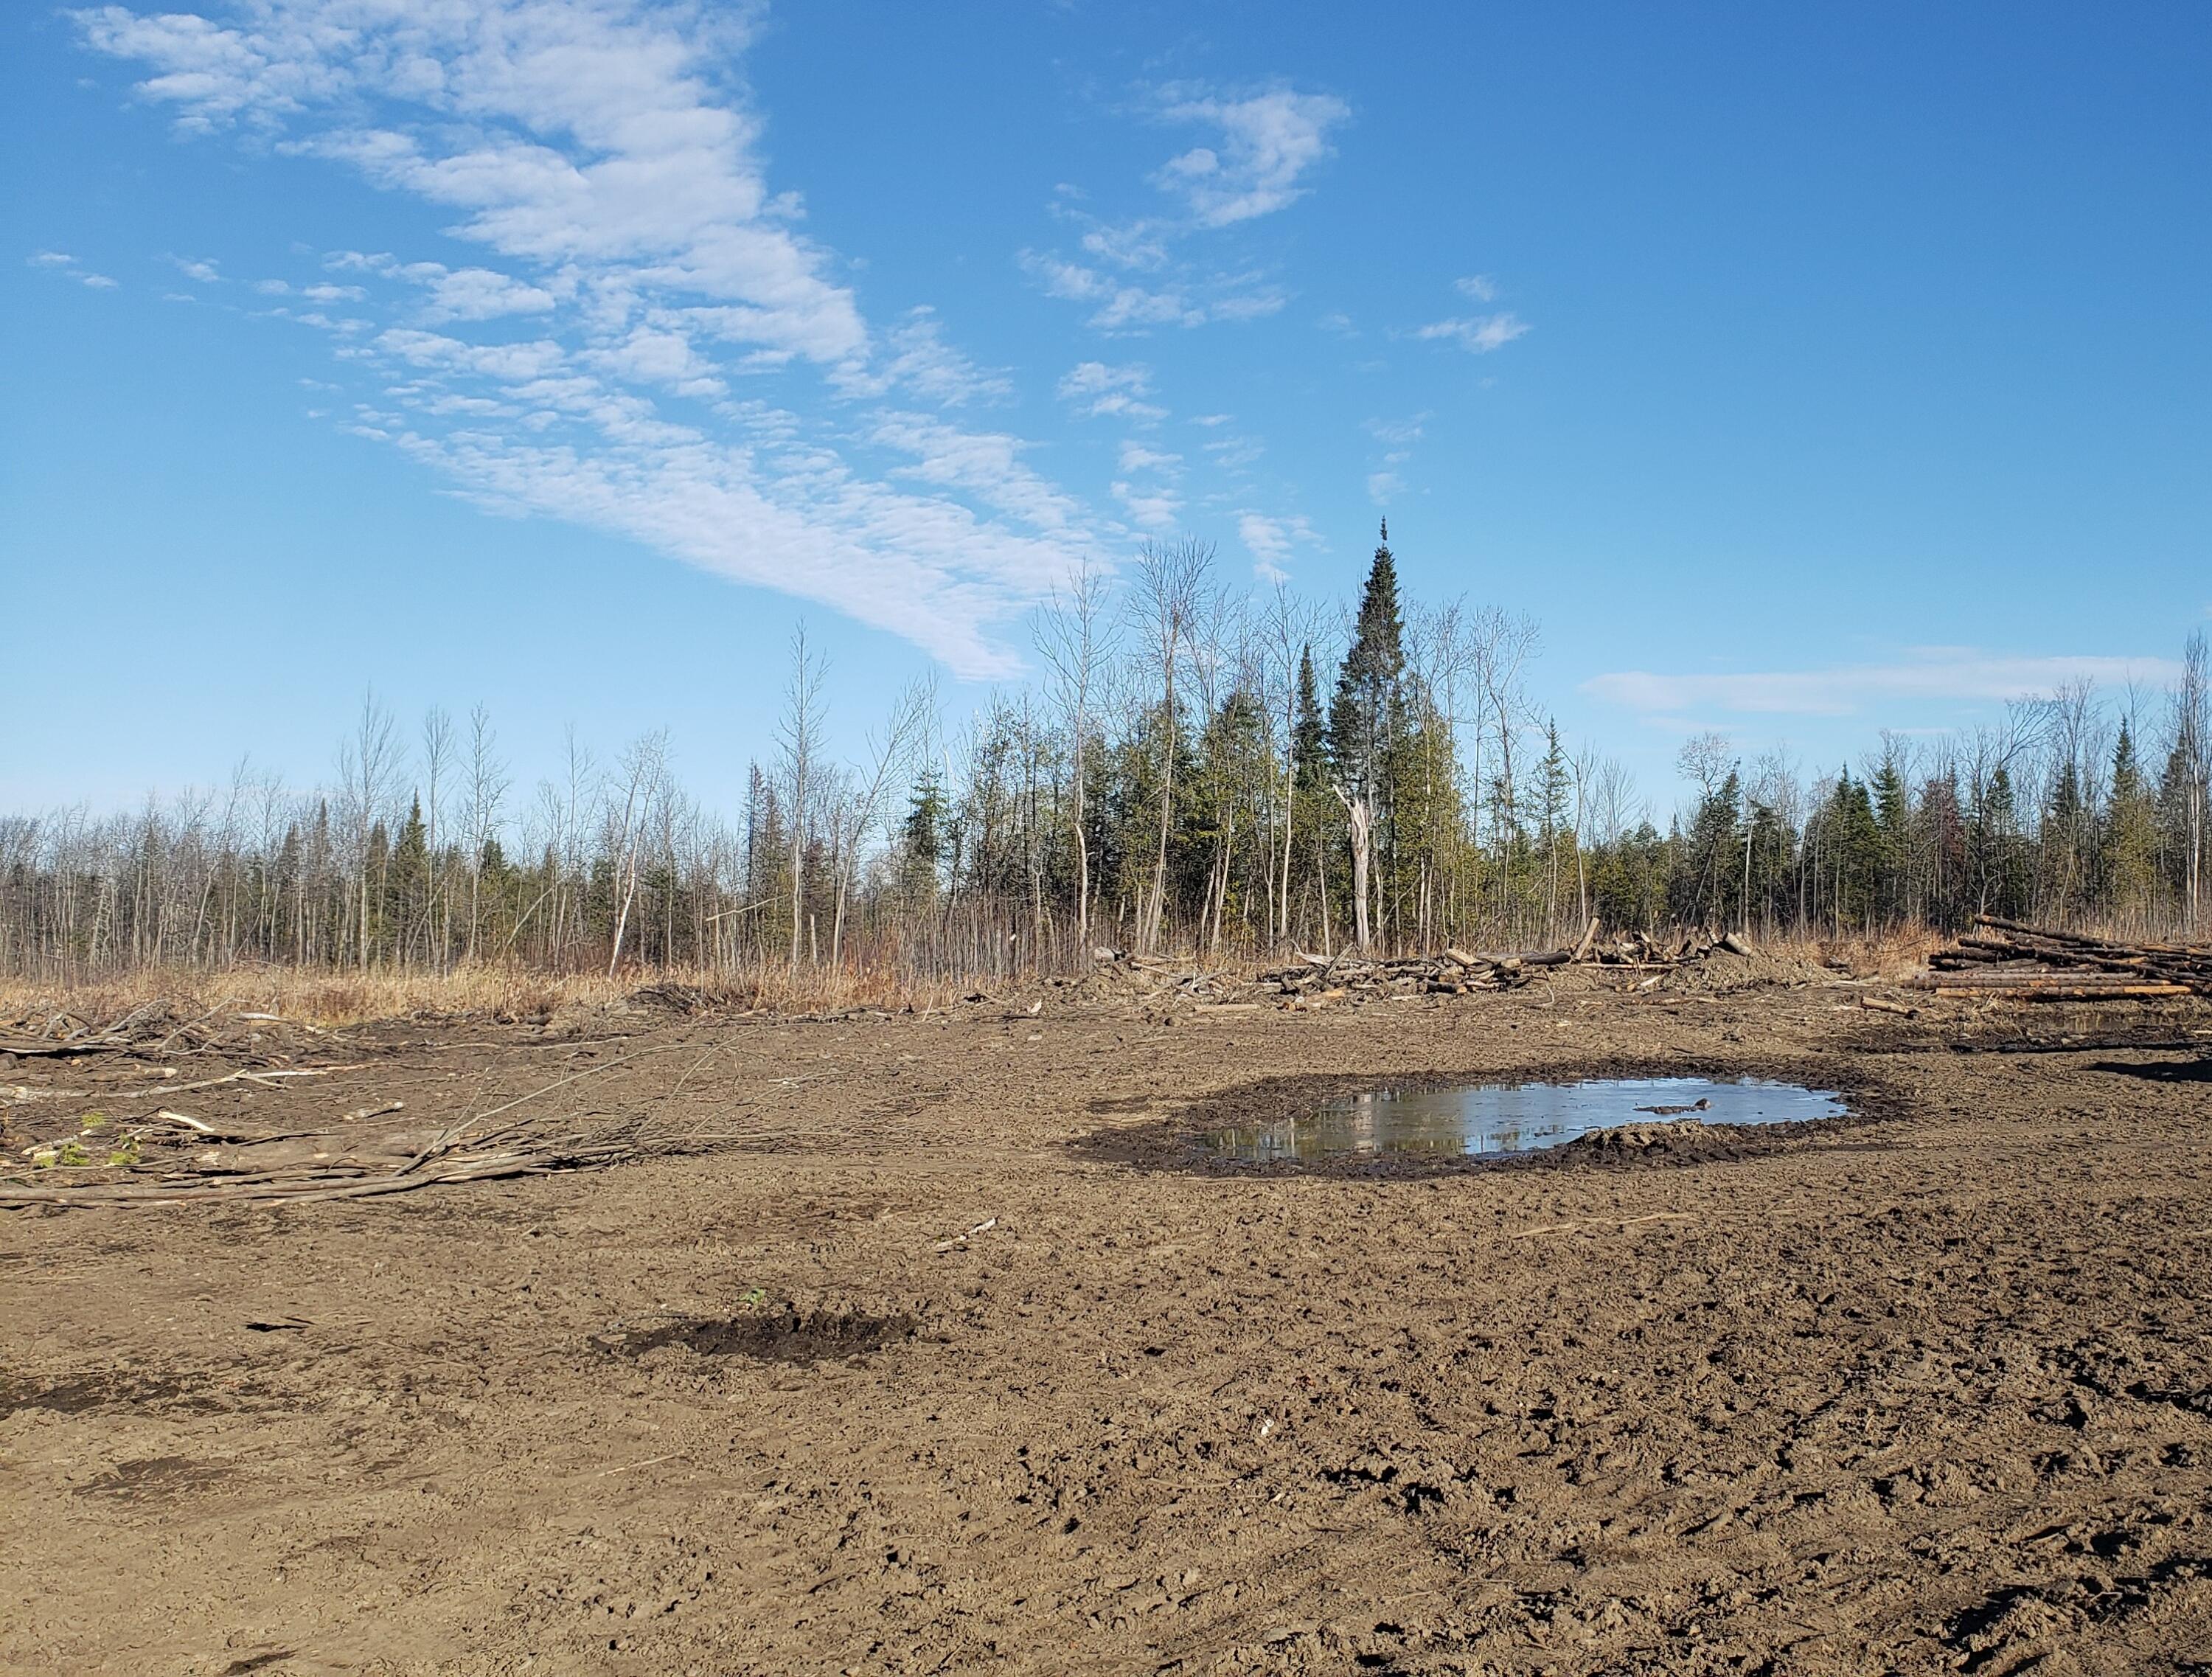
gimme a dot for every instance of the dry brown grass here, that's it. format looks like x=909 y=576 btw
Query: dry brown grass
x=1892 y=955
x=329 y=999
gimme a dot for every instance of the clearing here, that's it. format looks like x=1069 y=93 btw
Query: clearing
x=933 y=1343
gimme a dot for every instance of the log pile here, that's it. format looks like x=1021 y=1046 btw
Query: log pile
x=2006 y=959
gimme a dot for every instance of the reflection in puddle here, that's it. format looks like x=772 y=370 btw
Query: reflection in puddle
x=1483 y=1119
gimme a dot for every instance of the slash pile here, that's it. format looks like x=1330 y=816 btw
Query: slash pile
x=2004 y=957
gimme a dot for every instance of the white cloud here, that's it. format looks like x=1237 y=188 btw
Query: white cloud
x=1098 y=391
x=1384 y=487
x=1139 y=243
x=1153 y=509
x=62 y=262
x=1267 y=141
x=198 y=268
x=1136 y=457
x=1398 y=432
x=1270 y=540
x=656 y=355
x=1233 y=454
x=1926 y=673
x=560 y=130
x=917 y=359
x=595 y=150
x=1479 y=335
x=985 y=464
x=477 y=294
x=1480 y=287
x=1120 y=308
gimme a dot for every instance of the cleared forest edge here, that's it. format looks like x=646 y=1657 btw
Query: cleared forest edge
x=332 y=999
x=1187 y=777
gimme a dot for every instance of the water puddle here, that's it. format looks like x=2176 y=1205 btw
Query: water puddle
x=1484 y=1120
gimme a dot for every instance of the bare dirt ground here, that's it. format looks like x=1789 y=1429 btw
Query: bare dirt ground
x=1929 y=1389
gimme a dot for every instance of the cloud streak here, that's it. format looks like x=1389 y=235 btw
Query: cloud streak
x=1925 y=674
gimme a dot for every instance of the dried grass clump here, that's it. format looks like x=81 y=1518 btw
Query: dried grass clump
x=1894 y=955
x=330 y=999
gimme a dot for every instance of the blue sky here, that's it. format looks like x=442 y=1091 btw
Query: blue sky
x=1803 y=375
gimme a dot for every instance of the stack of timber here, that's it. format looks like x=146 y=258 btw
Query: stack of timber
x=2005 y=959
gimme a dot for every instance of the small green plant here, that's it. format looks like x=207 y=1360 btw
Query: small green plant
x=756 y=1297
x=63 y=1153
x=92 y=1120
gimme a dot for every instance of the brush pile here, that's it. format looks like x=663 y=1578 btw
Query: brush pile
x=117 y=1130
x=1453 y=972
x=1316 y=981
x=173 y=1158
x=2004 y=957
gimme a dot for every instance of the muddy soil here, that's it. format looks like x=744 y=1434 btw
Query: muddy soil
x=943 y=1348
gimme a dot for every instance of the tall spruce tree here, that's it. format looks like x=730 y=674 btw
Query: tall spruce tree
x=1310 y=735
x=1367 y=724
x=2128 y=862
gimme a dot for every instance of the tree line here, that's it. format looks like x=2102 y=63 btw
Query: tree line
x=1196 y=769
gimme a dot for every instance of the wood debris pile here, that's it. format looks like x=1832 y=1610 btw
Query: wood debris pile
x=170 y=1158
x=2004 y=957
x=121 y=1153
x=1349 y=976
x=1453 y=972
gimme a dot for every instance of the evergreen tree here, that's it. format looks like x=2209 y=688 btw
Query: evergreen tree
x=2007 y=880
x=1709 y=859
x=1855 y=849
x=1555 y=820
x=1892 y=819
x=1366 y=726
x=1309 y=736
x=2127 y=863
x=922 y=836
x=406 y=886
x=2065 y=875
x=1368 y=711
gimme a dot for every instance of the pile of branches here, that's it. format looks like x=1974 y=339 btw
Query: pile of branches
x=172 y=1158
x=150 y=1030
x=168 y=1156
x=1355 y=977
x=2004 y=957
x=1352 y=976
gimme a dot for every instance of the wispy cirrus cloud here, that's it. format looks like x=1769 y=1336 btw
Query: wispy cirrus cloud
x=1925 y=673
x=1134 y=271
x=1270 y=541
x=1096 y=391
x=1479 y=334
x=604 y=362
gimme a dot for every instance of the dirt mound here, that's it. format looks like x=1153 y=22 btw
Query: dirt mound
x=1675 y=1136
